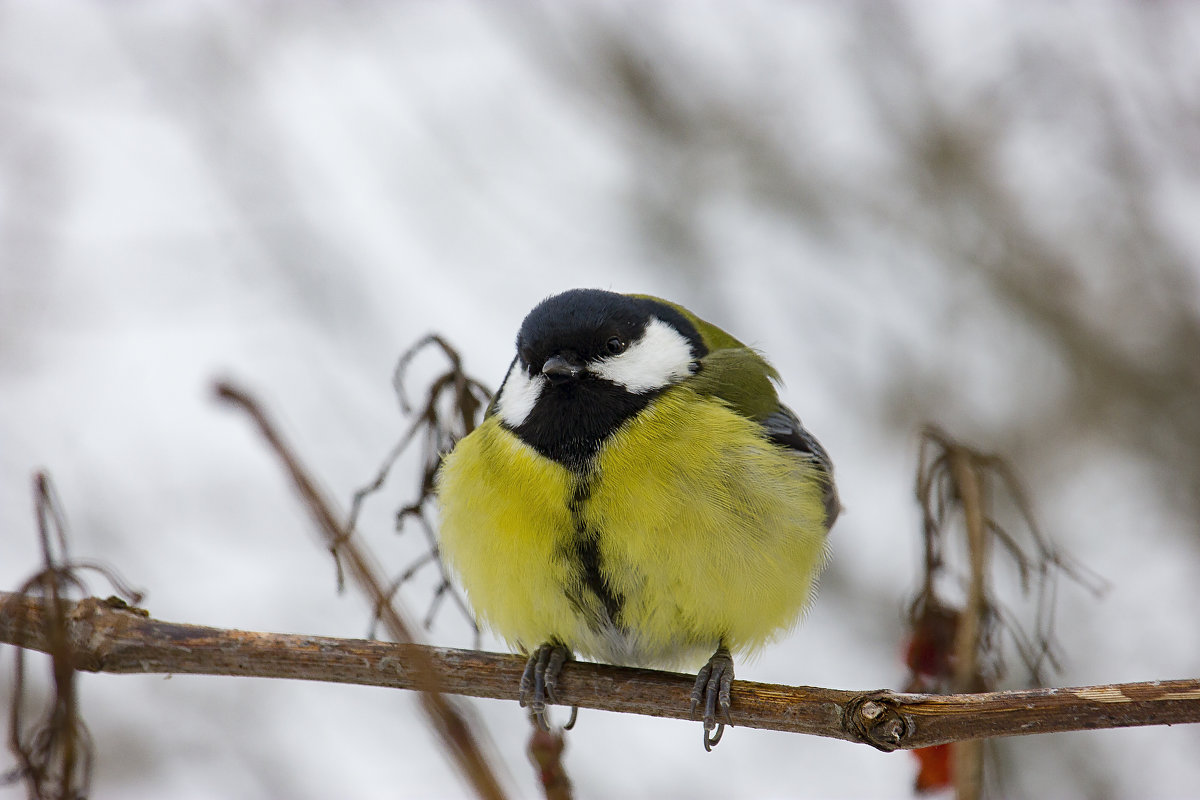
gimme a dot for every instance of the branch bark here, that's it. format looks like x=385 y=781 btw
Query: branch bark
x=111 y=637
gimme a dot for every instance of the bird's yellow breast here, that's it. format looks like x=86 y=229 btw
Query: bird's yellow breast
x=704 y=532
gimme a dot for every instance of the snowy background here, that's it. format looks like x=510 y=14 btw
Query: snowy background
x=984 y=215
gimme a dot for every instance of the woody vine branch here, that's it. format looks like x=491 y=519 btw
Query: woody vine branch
x=111 y=637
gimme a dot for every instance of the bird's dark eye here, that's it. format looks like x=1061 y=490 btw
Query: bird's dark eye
x=615 y=346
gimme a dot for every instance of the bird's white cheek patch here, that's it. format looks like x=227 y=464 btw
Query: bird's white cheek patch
x=519 y=396
x=661 y=357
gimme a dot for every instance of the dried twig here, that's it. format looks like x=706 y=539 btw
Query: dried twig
x=956 y=649
x=453 y=405
x=545 y=752
x=54 y=756
x=453 y=729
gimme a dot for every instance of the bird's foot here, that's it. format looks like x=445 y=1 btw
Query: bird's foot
x=713 y=683
x=540 y=681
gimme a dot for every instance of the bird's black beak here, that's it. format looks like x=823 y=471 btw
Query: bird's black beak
x=560 y=370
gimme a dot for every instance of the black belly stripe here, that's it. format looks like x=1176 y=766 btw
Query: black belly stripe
x=585 y=553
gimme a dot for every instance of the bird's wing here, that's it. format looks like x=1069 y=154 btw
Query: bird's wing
x=783 y=427
x=743 y=379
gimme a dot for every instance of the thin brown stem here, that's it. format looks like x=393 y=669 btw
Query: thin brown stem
x=968 y=756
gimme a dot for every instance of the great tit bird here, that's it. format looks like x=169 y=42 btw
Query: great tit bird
x=636 y=494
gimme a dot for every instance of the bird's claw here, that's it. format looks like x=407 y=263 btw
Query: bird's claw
x=713 y=684
x=539 y=682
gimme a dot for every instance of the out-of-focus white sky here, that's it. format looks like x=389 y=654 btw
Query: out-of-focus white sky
x=291 y=194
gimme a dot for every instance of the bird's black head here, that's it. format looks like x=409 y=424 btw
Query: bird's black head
x=588 y=360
